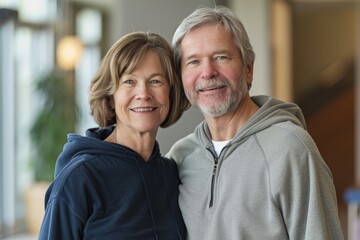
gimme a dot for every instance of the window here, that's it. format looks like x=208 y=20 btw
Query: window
x=89 y=30
x=26 y=52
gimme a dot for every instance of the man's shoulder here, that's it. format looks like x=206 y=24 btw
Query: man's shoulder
x=185 y=140
x=183 y=147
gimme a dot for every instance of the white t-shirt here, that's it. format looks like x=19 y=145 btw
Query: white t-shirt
x=219 y=145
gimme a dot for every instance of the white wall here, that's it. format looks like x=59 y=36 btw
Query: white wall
x=255 y=17
x=160 y=16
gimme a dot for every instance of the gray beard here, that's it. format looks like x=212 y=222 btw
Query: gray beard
x=221 y=107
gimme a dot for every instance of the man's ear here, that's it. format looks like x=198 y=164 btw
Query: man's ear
x=250 y=71
x=249 y=74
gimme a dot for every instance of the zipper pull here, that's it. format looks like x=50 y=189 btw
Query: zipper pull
x=215 y=167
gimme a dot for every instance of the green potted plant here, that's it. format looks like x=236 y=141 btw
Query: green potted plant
x=52 y=123
x=56 y=118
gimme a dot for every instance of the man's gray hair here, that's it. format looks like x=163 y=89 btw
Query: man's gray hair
x=218 y=15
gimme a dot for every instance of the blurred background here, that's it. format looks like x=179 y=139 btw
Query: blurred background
x=307 y=52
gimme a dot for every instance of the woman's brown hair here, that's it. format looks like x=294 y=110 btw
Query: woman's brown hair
x=124 y=56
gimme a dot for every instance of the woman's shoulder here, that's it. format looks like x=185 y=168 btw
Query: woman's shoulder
x=168 y=163
x=71 y=177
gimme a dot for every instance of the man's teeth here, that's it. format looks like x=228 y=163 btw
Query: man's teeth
x=143 y=109
x=211 y=88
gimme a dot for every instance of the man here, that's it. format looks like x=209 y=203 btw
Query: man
x=250 y=170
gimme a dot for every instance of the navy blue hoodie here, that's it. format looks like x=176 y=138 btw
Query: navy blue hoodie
x=104 y=190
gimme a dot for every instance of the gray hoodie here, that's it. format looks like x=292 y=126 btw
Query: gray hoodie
x=269 y=182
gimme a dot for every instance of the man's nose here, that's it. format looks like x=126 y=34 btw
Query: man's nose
x=208 y=70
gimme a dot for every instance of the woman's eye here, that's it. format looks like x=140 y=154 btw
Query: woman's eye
x=128 y=81
x=155 y=81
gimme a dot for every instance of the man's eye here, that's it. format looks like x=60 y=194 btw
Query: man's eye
x=193 y=62
x=220 y=57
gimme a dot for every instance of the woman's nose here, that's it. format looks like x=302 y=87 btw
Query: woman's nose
x=143 y=92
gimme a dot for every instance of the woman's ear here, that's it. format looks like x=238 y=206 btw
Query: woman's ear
x=111 y=103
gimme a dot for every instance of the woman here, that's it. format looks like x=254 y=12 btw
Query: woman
x=113 y=183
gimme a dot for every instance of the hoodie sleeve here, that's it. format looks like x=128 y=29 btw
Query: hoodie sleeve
x=60 y=222
x=303 y=190
x=67 y=204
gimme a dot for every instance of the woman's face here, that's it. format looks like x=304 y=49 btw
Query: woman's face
x=142 y=98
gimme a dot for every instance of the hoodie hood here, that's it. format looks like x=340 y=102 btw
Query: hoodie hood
x=272 y=111
x=93 y=144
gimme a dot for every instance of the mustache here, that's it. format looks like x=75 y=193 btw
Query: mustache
x=210 y=84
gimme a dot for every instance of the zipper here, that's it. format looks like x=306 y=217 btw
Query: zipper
x=213 y=181
x=216 y=164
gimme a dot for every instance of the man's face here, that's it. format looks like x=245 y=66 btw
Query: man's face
x=213 y=72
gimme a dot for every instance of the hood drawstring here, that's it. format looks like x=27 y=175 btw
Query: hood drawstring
x=148 y=199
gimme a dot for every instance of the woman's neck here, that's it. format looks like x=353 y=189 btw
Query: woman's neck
x=142 y=143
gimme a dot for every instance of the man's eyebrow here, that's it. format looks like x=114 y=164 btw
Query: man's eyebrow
x=222 y=51
x=195 y=55
x=190 y=56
